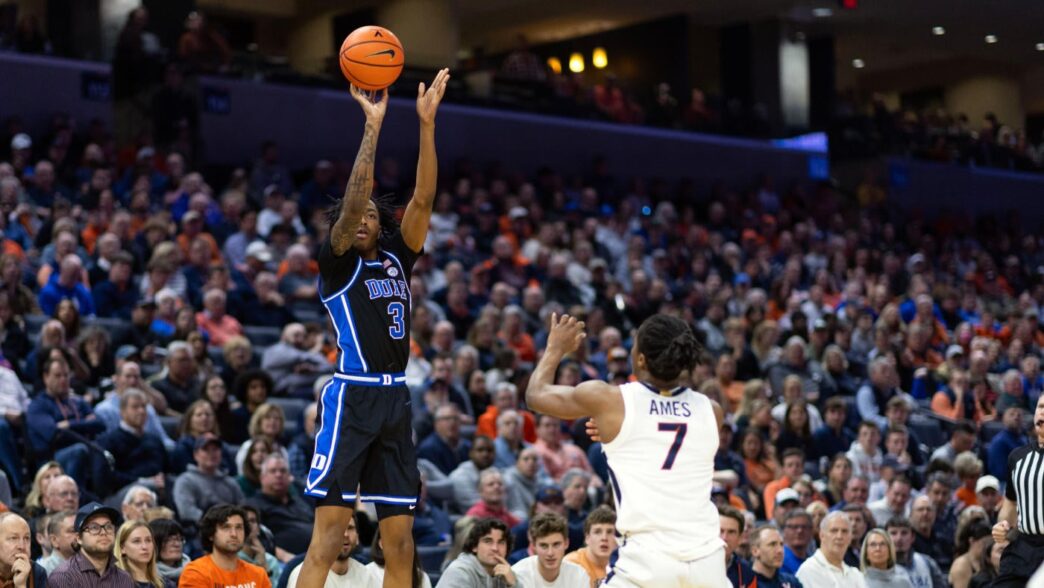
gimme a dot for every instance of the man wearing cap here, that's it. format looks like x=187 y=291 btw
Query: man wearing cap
x=896 y=499
x=204 y=484
x=786 y=500
x=16 y=569
x=127 y=377
x=258 y=256
x=93 y=565
x=21 y=154
x=987 y=492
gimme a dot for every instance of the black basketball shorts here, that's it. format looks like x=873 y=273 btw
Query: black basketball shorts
x=364 y=445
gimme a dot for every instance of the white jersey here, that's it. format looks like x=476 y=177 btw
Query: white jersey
x=661 y=466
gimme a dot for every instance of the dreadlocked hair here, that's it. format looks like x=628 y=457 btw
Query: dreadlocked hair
x=669 y=346
x=387 y=213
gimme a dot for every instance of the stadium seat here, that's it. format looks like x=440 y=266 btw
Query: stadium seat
x=170 y=425
x=989 y=430
x=431 y=557
x=261 y=336
x=929 y=430
x=33 y=322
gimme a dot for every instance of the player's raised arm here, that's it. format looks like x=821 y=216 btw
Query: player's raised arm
x=565 y=402
x=360 y=185
x=418 y=212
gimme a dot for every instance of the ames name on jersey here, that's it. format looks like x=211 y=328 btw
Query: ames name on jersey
x=675 y=408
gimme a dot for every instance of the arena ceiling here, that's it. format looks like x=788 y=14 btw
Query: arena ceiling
x=884 y=33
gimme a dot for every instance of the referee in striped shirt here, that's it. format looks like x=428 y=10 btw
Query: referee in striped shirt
x=1023 y=508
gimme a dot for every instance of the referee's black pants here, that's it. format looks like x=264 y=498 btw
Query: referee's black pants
x=1020 y=561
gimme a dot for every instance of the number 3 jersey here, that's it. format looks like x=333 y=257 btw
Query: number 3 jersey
x=661 y=466
x=369 y=304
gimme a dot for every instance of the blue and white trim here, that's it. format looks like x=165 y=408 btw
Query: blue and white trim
x=393 y=500
x=373 y=379
x=323 y=460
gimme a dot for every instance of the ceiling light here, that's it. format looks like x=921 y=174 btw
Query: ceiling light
x=858 y=63
x=576 y=63
x=599 y=59
x=991 y=39
x=938 y=31
x=555 y=64
x=1040 y=46
x=822 y=12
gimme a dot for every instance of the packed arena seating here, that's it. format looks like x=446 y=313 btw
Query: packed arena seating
x=864 y=356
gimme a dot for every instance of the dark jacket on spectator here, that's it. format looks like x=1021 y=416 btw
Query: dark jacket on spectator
x=42 y=420
x=136 y=456
x=111 y=301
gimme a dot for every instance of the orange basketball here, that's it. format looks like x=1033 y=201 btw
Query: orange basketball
x=372 y=58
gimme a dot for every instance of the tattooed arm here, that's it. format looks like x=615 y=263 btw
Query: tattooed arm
x=360 y=185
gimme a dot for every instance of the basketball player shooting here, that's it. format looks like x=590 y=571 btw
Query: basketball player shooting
x=660 y=438
x=363 y=446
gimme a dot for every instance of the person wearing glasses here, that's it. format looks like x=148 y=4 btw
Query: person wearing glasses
x=93 y=565
x=797 y=538
x=879 y=564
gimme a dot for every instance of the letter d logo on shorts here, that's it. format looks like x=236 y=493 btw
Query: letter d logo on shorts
x=318 y=461
x=386 y=379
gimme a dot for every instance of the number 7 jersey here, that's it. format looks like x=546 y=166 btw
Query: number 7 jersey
x=369 y=303
x=661 y=466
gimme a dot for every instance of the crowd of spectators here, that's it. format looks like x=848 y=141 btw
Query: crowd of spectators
x=937 y=135
x=157 y=327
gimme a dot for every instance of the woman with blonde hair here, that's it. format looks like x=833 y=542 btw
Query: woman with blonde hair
x=818 y=511
x=763 y=343
x=135 y=553
x=268 y=421
x=752 y=390
x=44 y=474
x=168 y=255
x=877 y=560
x=238 y=354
